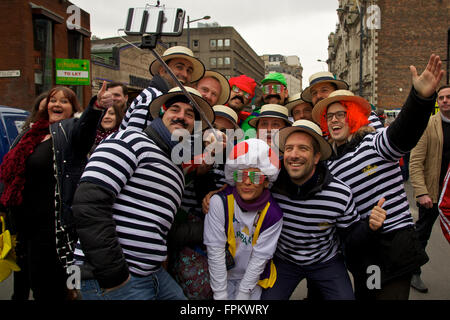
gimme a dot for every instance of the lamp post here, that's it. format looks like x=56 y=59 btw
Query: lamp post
x=323 y=62
x=189 y=28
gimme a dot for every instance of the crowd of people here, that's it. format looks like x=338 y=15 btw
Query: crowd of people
x=302 y=186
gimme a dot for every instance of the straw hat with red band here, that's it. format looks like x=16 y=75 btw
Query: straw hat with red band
x=308 y=127
x=183 y=53
x=320 y=77
x=159 y=102
x=340 y=95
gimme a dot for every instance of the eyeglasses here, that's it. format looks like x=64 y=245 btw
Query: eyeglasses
x=236 y=89
x=339 y=115
x=272 y=88
x=256 y=177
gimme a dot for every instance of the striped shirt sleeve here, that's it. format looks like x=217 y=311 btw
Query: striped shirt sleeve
x=138 y=115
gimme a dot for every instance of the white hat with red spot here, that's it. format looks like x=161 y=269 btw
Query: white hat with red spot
x=252 y=154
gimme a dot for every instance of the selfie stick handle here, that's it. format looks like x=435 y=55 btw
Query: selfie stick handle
x=149 y=42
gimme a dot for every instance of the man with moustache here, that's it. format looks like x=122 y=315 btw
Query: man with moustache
x=318 y=213
x=186 y=68
x=126 y=202
x=242 y=93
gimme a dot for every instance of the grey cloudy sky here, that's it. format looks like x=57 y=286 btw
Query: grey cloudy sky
x=287 y=27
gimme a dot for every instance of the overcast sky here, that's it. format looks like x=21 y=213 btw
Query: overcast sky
x=287 y=27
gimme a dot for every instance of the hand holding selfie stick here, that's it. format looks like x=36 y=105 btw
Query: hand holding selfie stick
x=149 y=41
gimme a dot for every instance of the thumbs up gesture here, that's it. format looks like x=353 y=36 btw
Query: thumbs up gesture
x=377 y=216
x=104 y=98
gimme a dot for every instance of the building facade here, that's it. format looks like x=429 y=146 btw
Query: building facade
x=39 y=32
x=289 y=66
x=396 y=34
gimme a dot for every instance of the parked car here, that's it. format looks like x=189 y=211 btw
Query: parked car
x=11 y=121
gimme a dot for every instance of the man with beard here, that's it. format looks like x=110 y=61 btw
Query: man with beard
x=186 y=68
x=321 y=84
x=318 y=213
x=126 y=202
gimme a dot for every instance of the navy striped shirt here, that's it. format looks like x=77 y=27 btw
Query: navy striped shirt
x=309 y=233
x=138 y=115
x=372 y=171
x=148 y=188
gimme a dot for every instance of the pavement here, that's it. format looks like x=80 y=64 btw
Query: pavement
x=435 y=274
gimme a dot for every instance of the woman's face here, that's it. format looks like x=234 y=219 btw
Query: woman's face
x=59 y=107
x=109 y=119
x=248 y=190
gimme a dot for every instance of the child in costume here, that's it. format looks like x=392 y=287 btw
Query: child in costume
x=243 y=224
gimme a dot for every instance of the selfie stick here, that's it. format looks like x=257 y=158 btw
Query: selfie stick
x=149 y=42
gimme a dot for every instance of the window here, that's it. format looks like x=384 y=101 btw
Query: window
x=227 y=42
x=220 y=43
x=212 y=43
x=43 y=53
x=212 y=61
x=219 y=61
x=227 y=61
x=195 y=43
x=75 y=43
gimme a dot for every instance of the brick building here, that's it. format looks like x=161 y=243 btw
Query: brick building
x=35 y=34
x=408 y=31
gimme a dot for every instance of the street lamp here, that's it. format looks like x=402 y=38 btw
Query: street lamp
x=189 y=28
x=322 y=61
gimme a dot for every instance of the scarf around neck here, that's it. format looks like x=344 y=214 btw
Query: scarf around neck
x=257 y=205
x=12 y=169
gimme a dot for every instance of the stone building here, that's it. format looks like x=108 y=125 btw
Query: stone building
x=396 y=34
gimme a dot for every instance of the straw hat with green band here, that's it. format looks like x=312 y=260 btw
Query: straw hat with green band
x=183 y=53
x=155 y=105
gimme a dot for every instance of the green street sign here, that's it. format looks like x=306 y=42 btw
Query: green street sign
x=72 y=72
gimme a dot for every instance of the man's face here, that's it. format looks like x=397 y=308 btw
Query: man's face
x=299 y=158
x=338 y=127
x=119 y=99
x=179 y=115
x=267 y=127
x=443 y=101
x=210 y=89
x=238 y=99
x=182 y=69
x=274 y=92
x=302 y=111
x=321 y=91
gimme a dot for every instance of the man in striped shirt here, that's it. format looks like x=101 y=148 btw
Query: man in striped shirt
x=318 y=215
x=126 y=202
x=185 y=67
x=367 y=161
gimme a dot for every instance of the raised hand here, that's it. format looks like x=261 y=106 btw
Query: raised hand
x=377 y=216
x=427 y=83
x=104 y=98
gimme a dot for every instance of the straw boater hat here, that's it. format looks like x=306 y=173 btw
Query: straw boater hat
x=224 y=85
x=308 y=127
x=293 y=101
x=340 y=95
x=227 y=113
x=180 y=52
x=271 y=111
x=319 y=77
x=155 y=106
